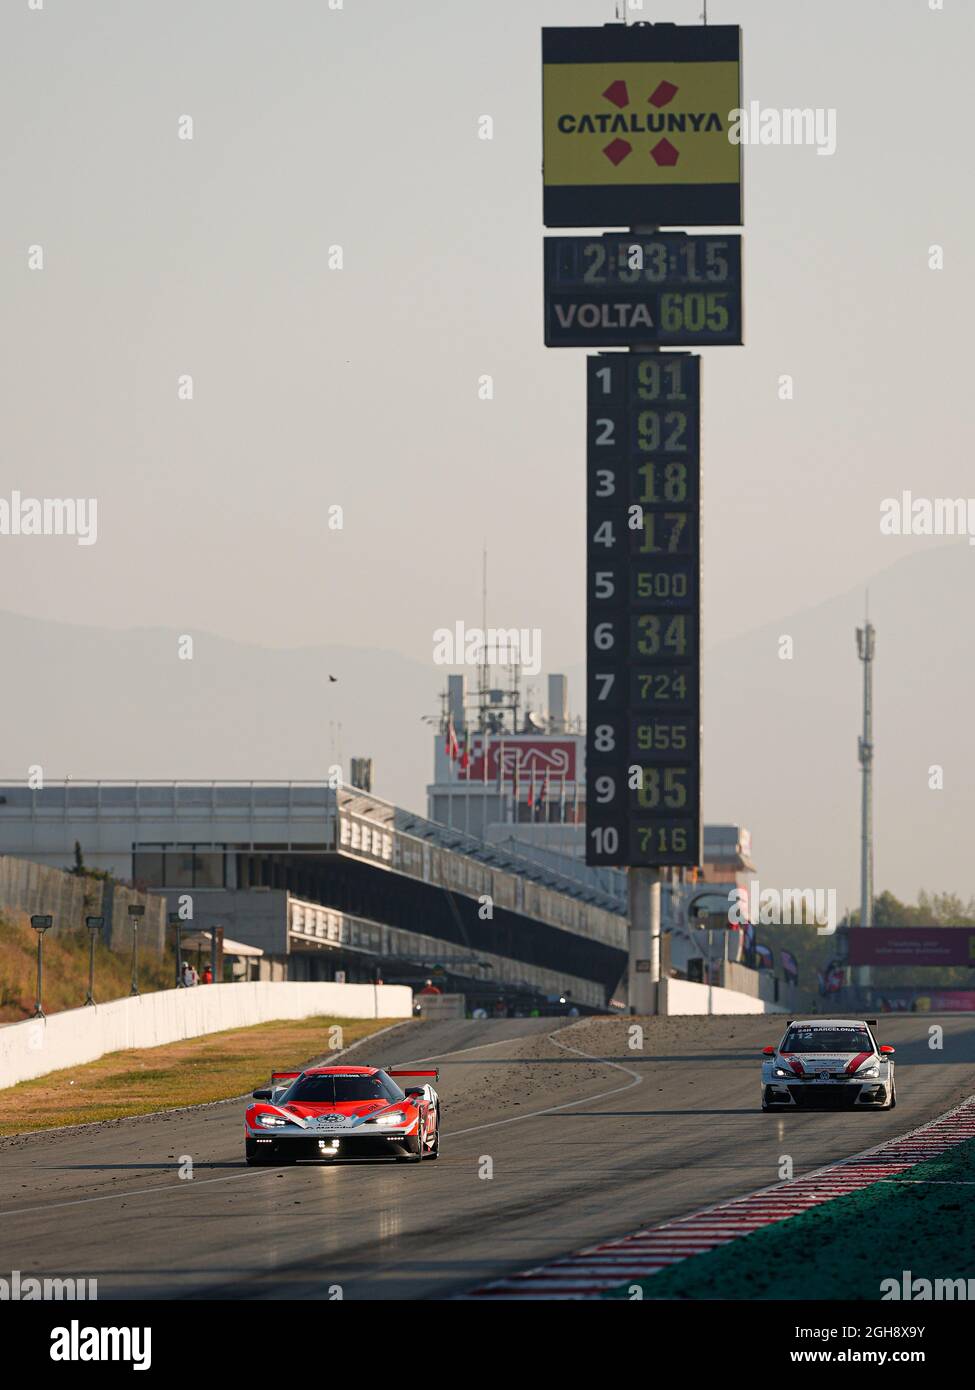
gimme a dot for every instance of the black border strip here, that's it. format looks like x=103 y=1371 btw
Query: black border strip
x=626 y=205
x=627 y=43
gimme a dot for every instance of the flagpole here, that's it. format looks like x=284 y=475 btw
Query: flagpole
x=502 y=796
x=503 y=787
x=467 y=778
x=449 y=748
x=562 y=816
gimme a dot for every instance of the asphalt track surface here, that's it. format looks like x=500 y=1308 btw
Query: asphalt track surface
x=580 y=1148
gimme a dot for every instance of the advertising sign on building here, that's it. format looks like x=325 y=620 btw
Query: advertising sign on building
x=511 y=757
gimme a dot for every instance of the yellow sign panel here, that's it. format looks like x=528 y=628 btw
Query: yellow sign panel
x=635 y=125
x=639 y=123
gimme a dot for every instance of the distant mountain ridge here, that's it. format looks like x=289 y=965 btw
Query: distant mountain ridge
x=780 y=736
x=98 y=703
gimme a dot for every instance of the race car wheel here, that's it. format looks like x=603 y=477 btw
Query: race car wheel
x=413 y=1158
x=893 y=1096
x=435 y=1151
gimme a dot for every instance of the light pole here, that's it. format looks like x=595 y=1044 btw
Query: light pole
x=136 y=911
x=176 y=921
x=40 y=925
x=94 y=925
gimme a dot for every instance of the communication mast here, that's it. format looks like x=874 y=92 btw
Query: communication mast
x=866 y=639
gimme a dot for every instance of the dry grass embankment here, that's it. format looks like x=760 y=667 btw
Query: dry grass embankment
x=196 y=1071
x=66 y=970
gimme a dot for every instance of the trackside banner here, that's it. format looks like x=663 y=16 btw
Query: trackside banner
x=911 y=946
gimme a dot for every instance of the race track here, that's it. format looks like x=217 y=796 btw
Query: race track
x=580 y=1149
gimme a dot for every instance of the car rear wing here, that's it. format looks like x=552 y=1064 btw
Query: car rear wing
x=433 y=1075
x=285 y=1075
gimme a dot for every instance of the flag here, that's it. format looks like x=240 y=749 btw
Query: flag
x=790 y=967
x=562 y=801
x=465 y=757
x=543 y=800
x=531 y=790
x=748 y=945
x=517 y=781
x=451 y=747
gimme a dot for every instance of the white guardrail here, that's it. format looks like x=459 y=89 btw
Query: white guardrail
x=38 y=1046
x=687 y=997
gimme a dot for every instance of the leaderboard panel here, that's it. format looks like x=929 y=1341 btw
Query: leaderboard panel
x=627 y=289
x=643 y=757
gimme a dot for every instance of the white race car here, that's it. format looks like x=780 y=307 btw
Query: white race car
x=830 y=1064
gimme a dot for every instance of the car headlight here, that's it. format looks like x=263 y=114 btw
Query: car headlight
x=780 y=1071
x=271 y=1121
x=392 y=1117
x=872 y=1070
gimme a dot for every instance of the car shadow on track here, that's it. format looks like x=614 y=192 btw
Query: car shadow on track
x=627 y=1058
x=133 y=1167
x=639 y=1114
x=216 y=1167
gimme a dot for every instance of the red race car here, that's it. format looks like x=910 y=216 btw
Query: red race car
x=331 y=1114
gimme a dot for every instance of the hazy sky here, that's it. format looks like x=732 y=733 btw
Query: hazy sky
x=358 y=127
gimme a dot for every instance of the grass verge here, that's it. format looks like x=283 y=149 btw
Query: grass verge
x=195 y=1071
x=923 y=1221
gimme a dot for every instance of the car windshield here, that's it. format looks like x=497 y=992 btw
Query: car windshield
x=332 y=1088
x=833 y=1039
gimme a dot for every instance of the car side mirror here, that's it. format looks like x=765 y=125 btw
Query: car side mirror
x=887 y=1048
x=768 y=1051
x=413 y=1091
x=262 y=1095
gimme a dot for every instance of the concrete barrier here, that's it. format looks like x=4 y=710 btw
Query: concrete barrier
x=437 y=1006
x=686 y=997
x=38 y=1046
